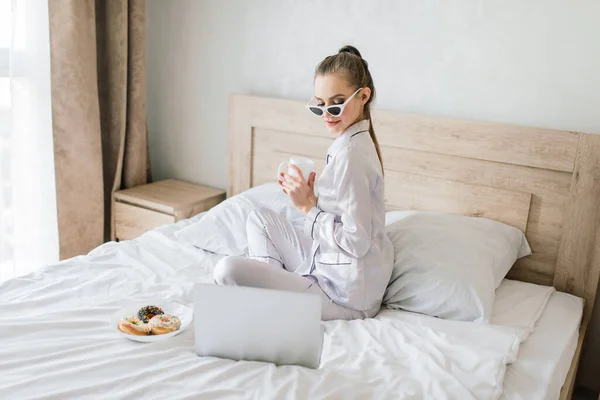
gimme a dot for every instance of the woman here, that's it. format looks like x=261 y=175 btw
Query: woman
x=342 y=253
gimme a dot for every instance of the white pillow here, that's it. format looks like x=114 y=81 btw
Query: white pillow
x=447 y=265
x=520 y=304
x=223 y=229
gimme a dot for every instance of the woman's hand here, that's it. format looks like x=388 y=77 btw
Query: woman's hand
x=301 y=192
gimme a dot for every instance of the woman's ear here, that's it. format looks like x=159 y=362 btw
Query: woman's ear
x=365 y=95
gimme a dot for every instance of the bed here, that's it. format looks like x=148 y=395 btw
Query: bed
x=57 y=342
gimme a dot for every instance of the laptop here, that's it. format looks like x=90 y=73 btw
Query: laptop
x=243 y=323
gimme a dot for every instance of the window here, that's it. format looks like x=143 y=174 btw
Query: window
x=5 y=35
x=6 y=220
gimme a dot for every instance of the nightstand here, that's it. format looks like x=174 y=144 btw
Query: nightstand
x=145 y=207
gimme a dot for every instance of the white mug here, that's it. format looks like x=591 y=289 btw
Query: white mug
x=305 y=165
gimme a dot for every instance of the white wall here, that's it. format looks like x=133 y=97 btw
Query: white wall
x=534 y=62
x=529 y=62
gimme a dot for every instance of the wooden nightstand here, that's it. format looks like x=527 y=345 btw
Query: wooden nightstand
x=145 y=207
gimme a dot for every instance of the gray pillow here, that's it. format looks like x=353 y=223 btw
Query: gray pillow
x=449 y=266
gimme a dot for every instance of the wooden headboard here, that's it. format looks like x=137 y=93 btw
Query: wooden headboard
x=545 y=182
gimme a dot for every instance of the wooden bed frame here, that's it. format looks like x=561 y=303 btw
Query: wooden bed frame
x=545 y=182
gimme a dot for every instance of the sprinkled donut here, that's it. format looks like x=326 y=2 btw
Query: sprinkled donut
x=133 y=326
x=161 y=324
x=146 y=313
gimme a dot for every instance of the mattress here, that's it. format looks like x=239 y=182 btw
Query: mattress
x=57 y=343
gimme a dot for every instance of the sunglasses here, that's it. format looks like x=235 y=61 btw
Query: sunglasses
x=335 y=110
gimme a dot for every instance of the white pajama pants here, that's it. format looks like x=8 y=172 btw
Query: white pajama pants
x=276 y=251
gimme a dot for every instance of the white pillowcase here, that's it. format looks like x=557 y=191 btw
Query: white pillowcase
x=520 y=304
x=223 y=229
x=448 y=266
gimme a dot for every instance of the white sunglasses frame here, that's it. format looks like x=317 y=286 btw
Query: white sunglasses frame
x=325 y=109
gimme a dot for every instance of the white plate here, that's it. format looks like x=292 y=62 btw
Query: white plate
x=185 y=314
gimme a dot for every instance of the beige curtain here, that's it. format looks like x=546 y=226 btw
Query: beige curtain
x=97 y=53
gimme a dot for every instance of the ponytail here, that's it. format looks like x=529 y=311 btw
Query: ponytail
x=374 y=137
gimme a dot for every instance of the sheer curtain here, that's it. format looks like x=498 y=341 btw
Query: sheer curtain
x=30 y=231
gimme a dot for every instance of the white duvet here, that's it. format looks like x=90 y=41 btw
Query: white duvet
x=56 y=341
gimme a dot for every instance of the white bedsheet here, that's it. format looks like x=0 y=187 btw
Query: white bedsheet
x=55 y=340
x=545 y=358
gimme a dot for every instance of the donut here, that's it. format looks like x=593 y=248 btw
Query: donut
x=133 y=326
x=161 y=324
x=146 y=313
